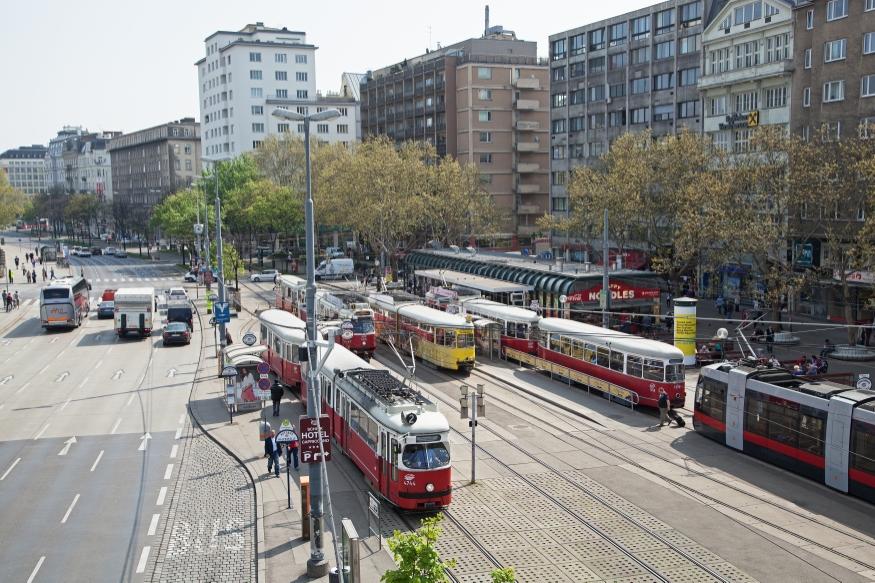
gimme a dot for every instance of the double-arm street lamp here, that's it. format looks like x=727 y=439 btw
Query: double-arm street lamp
x=317 y=565
x=220 y=265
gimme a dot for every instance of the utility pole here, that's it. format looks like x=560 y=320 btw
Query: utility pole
x=606 y=280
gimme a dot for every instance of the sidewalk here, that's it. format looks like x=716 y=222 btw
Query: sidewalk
x=282 y=554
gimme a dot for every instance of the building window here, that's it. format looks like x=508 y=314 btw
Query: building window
x=255 y=57
x=617 y=119
x=776 y=97
x=257 y=110
x=300 y=128
x=748 y=13
x=597 y=39
x=778 y=48
x=726 y=24
x=279 y=58
x=484 y=72
x=282 y=93
x=578 y=69
x=559 y=204
x=597 y=65
x=176 y=164
x=832 y=131
x=805 y=136
x=836 y=9
x=188 y=165
x=303 y=110
x=484 y=94
x=809 y=20
x=281 y=76
x=664 y=81
x=282 y=128
x=187 y=146
x=597 y=121
x=664 y=21
x=255 y=92
x=618 y=90
x=691 y=14
x=741 y=140
x=641 y=55
x=720 y=60
x=640 y=86
x=558 y=152
x=559 y=179
x=870 y=5
x=596 y=148
x=596 y=93
x=486 y=179
x=663 y=113
x=689 y=77
x=637 y=116
x=558 y=49
x=868 y=86
x=747 y=54
x=720 y=140
x=578 y=97
x=806 y=97
x=301 y=59
x=300 y=76
x=558 y=99
x=485 y=116
x=321 y=128
x=689 y=109
x=835 y=50
x=558 y=73
x=558 y=126
x=343 y=111
x=745 y=102
x=689 y=44
x=255 y=75
x=664 y=50
x=486 y=158
x=617 y=61
x=867 y=127
x=833 y=91
x=302 y=94
x=869 y=42
x=256 y=144
x=576 y=124
x=807 y=58
x=641 y=28
x=578 y=45
x=485 y=137
x=618 y=34
x=342 y=128
x=258 y=128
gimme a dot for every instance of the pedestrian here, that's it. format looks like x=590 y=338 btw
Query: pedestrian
x=647 y=322
x=44 y=273
x=271 y=452
x=720 y=302
x=276 y=395
x=663 y=404
x=4 y=298
x=53 y=273
x=228 y=340
x=10 y=276
x=828 y=347
x=16 y=262
x=16 y=299
x=770 y=338
x=82 y=271
x=292 y=450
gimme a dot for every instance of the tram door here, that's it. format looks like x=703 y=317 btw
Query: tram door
x=384 y=464
x=346 y=424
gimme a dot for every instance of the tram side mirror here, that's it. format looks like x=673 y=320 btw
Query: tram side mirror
x=303 y=354
x=396 y=449
x=409 y=418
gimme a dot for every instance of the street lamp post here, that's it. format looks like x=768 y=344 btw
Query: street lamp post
x=220 y=274
x=317 y=564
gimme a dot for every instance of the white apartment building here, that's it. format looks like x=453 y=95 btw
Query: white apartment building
x=25 y=168
x=747 y=69
x=247 y=74
x=56 y=173
x=94 y=166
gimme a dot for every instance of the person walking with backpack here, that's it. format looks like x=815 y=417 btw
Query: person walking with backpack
x=292 y=450
x=276 y=395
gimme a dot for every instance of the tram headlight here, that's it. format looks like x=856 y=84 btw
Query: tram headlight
x=429 y=487
x=677 y=395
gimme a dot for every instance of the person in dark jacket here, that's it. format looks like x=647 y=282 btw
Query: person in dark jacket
x=663 y=405
x=272 y=453
x=292 y=450
x=276 y=395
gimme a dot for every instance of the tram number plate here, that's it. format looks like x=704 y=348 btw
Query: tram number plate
x=310 y=433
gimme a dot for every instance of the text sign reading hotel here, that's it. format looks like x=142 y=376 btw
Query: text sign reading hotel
x=619 y=291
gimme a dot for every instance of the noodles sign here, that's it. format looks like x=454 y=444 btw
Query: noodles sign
x=619 y=292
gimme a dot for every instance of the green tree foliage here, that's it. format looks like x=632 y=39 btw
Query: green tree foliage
x=415 y=554
x=232 y=266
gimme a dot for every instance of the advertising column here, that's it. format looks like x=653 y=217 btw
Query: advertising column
x=685 y=328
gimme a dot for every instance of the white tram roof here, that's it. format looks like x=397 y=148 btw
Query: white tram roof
x=421 y=313
x=483 y=284
x=618 y=340
x=491 y=309
x=291 y=280
x=285 y=325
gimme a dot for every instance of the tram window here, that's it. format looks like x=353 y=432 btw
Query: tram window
x=439 y=336
x=617 y=359
x=466 y=340
x=295 y=349
x=634 y=366
x=589 y=353
x=277 y=345
x=373 y=435
x=522 y=331
x=577 y=349
x=653 y=370
x=509 y=329
x=713 y=400
x=326 y=390
x=425 y=456
x=354 y=413
x=544 y=340
x=450 y=338
x=783 y=424
x=555 y=344
x=674 y=373
x=757 y=421
x=811 y=435
x=863 y=447
x=700 y=385
x=603 y=357
x=263 y=332
x=566 y=346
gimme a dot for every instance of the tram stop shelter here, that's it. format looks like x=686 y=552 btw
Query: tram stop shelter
x=241 y=356
x=497 y=290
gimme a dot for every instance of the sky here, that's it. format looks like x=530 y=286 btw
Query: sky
x=124 y=66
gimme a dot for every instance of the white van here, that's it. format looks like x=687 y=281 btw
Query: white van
x=335 y=269
x=335 y=253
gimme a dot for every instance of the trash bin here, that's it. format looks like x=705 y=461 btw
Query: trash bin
x=334 y=577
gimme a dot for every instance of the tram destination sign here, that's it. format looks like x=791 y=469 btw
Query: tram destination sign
x=310 y=434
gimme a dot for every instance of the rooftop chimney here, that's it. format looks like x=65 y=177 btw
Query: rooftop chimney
x=486 y=31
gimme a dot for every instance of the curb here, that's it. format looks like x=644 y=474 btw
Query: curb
x=260 y=558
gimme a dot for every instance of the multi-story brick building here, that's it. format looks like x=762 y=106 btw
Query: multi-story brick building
x=482 y=101
x=834 y=67
x=25 y=168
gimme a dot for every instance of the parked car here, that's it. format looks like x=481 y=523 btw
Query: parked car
x=106 y=310
x=265 y=275
x=109 y=251
x=176 y=333
x=121 y=253
x=191 y=276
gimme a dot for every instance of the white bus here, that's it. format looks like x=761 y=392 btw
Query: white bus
x=64 y=302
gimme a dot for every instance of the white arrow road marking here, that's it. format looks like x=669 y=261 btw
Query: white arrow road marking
x=41 y=432
x=53 y=340
x=8 y=342
x=141 y=566
x=69 y=442
x=36 y=569
x=100 y=455
x=70 y=509
x=161 y=495
x=144 y=439
x=96 y=338
x=6 y=473
x=154 y=525
x=6 y=379
x=170 y=373
x=62 y=376
x=117 y=374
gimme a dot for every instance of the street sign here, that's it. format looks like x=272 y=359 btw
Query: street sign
x=452 y=310
x=222 y=311
x=534 y=305
x=563 y=299
x=603 y=299
x=263 y=368
x=249 y=339
x=286 y=433
x=310 y=435
x=229 y=371
x=864 y=383
x=347 y=330
x=264 y=384
x=208 y=276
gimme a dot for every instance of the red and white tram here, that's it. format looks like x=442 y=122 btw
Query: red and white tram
x=819 y=429
x=396 y=436
x=283 y=333
x=290 y=291
x=338 y=308
x=636 y=364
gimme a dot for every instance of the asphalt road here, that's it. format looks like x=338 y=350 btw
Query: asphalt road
x=88 y=510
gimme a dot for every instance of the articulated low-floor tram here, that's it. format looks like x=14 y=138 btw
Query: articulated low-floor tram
x=822 y=430
x=439 y=339
x=394 y=434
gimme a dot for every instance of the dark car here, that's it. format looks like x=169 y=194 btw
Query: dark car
x=96 y=251
x=180 y=311
x=106 y=310
x=176 y=333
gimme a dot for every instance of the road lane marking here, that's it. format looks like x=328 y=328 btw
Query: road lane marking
x=70 y=509
x=22 y=388
x=98 y=364
x=178 y=433
x=140 y=382
x=131 y=399
x=161 y=495
x=36 y=569
x=141 y=566
x=41 y=432
x=168 y=471
x=43 y=370
x=154 y=525
x=62 y=354
x=83 y=382
x=173 y=451
x=100 y=455
x=114 y=427
x=64 y=405
x=6 y=473
x=182 y=418
x=110 y=348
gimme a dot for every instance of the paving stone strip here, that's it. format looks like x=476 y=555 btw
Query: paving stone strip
x=207 y=526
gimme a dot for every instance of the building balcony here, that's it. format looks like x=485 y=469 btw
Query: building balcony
x=399 y=114
x=523 y=83
x=417 y=91
x=526 y=104
x=527 y=189
x=528 y=209
x=526 y=167
x=429 y=109
x=419 y=110
x=381 y=119
x=390 y=97
x=390 y=117
x=526 y=125
x=727 y=78
x=441 y=127
x=527 y=146
x=441 y=107
x=381 y=100
x=526 y=230
x=399 y=135
x=439 y=86
x=441 y=149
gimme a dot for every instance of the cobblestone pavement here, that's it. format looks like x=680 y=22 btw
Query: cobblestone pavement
x=208 y=534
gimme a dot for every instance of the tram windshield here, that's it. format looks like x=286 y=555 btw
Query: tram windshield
x=361 y=326
x=674 y=373
x=465 y=339
x=425 y=456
